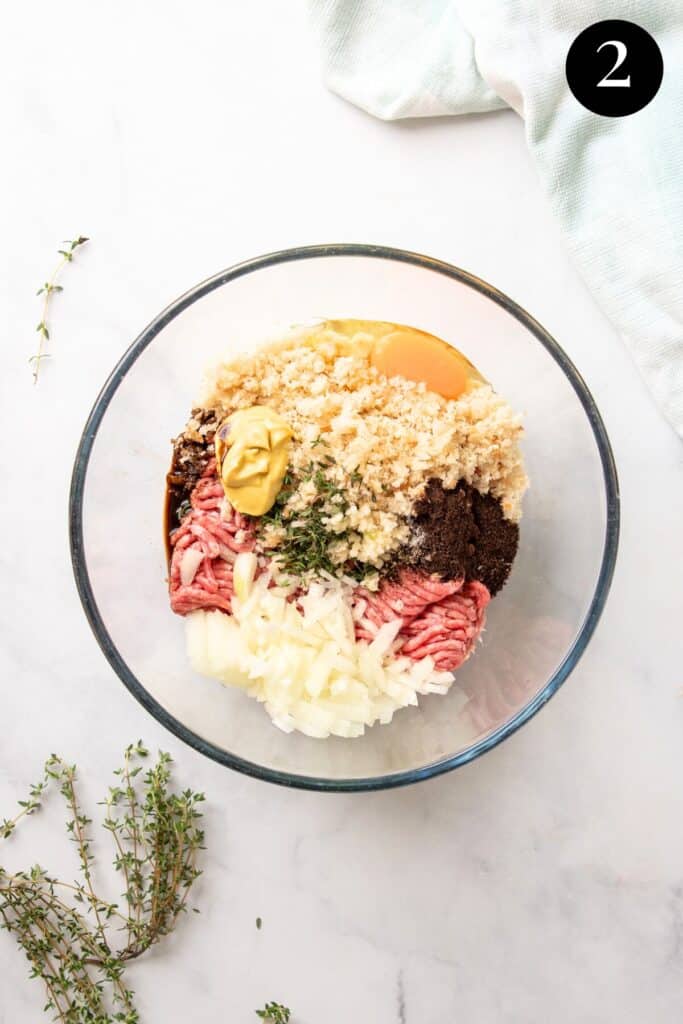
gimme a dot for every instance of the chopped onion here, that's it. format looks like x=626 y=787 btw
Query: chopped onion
x=189 y=563
x=302 y=661
x=385 y=636
x=243 y=573
x=358 y=610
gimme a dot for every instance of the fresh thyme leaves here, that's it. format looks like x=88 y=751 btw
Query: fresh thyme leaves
x=65 y=929
x=274 y=1013
x=48 y=289
x=7 y=826
x=305 y=544
x=307 y=539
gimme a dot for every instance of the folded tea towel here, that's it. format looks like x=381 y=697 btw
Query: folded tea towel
x=616 y=184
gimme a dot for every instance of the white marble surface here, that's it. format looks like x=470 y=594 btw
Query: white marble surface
x=545 y=881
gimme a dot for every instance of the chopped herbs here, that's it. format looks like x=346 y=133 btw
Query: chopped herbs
x=306 y=543
x=274 y=1013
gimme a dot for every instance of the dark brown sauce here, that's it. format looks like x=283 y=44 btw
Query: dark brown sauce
x=188 y=462
x=172 y=503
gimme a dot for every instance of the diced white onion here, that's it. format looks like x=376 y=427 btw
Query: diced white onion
x=191 y=559
x=385 y=636
x=243 y=573
x=302 y=661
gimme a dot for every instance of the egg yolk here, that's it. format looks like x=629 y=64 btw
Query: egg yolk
x=422 y=357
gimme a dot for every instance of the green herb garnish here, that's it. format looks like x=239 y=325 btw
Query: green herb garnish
x=274 y=1013
x=48 y=289
x=70 y=935
x=305 y=547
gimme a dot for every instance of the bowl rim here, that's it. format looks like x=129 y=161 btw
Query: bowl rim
x=393 y=779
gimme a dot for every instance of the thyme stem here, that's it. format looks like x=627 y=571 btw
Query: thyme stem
x=48 y=290
x=156 y=838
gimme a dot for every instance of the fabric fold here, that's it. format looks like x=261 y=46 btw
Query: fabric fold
x=615 y=184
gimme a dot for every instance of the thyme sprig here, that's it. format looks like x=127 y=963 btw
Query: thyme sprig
x=66 y=929
x=48 y=290
x=274 y=1013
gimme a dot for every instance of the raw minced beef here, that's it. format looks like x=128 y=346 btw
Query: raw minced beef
x=204 y=548
x=439 y=619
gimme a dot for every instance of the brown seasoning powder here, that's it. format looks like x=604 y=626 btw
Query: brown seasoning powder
x=461 y=533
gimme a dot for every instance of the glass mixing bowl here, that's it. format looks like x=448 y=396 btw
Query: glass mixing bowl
x=538 y=626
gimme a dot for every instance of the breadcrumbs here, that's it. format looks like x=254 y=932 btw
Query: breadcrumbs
x=376 y=440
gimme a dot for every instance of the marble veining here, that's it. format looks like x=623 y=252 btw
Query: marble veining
x=401 y=1015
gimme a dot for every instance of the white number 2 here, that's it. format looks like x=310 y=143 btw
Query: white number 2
x=623 y=83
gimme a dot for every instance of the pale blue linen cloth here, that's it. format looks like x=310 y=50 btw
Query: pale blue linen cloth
x=616 y=184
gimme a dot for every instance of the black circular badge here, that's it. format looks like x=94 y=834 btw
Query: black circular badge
x=614 y=68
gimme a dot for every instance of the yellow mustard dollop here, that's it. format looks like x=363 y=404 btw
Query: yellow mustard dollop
x=252 y=450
